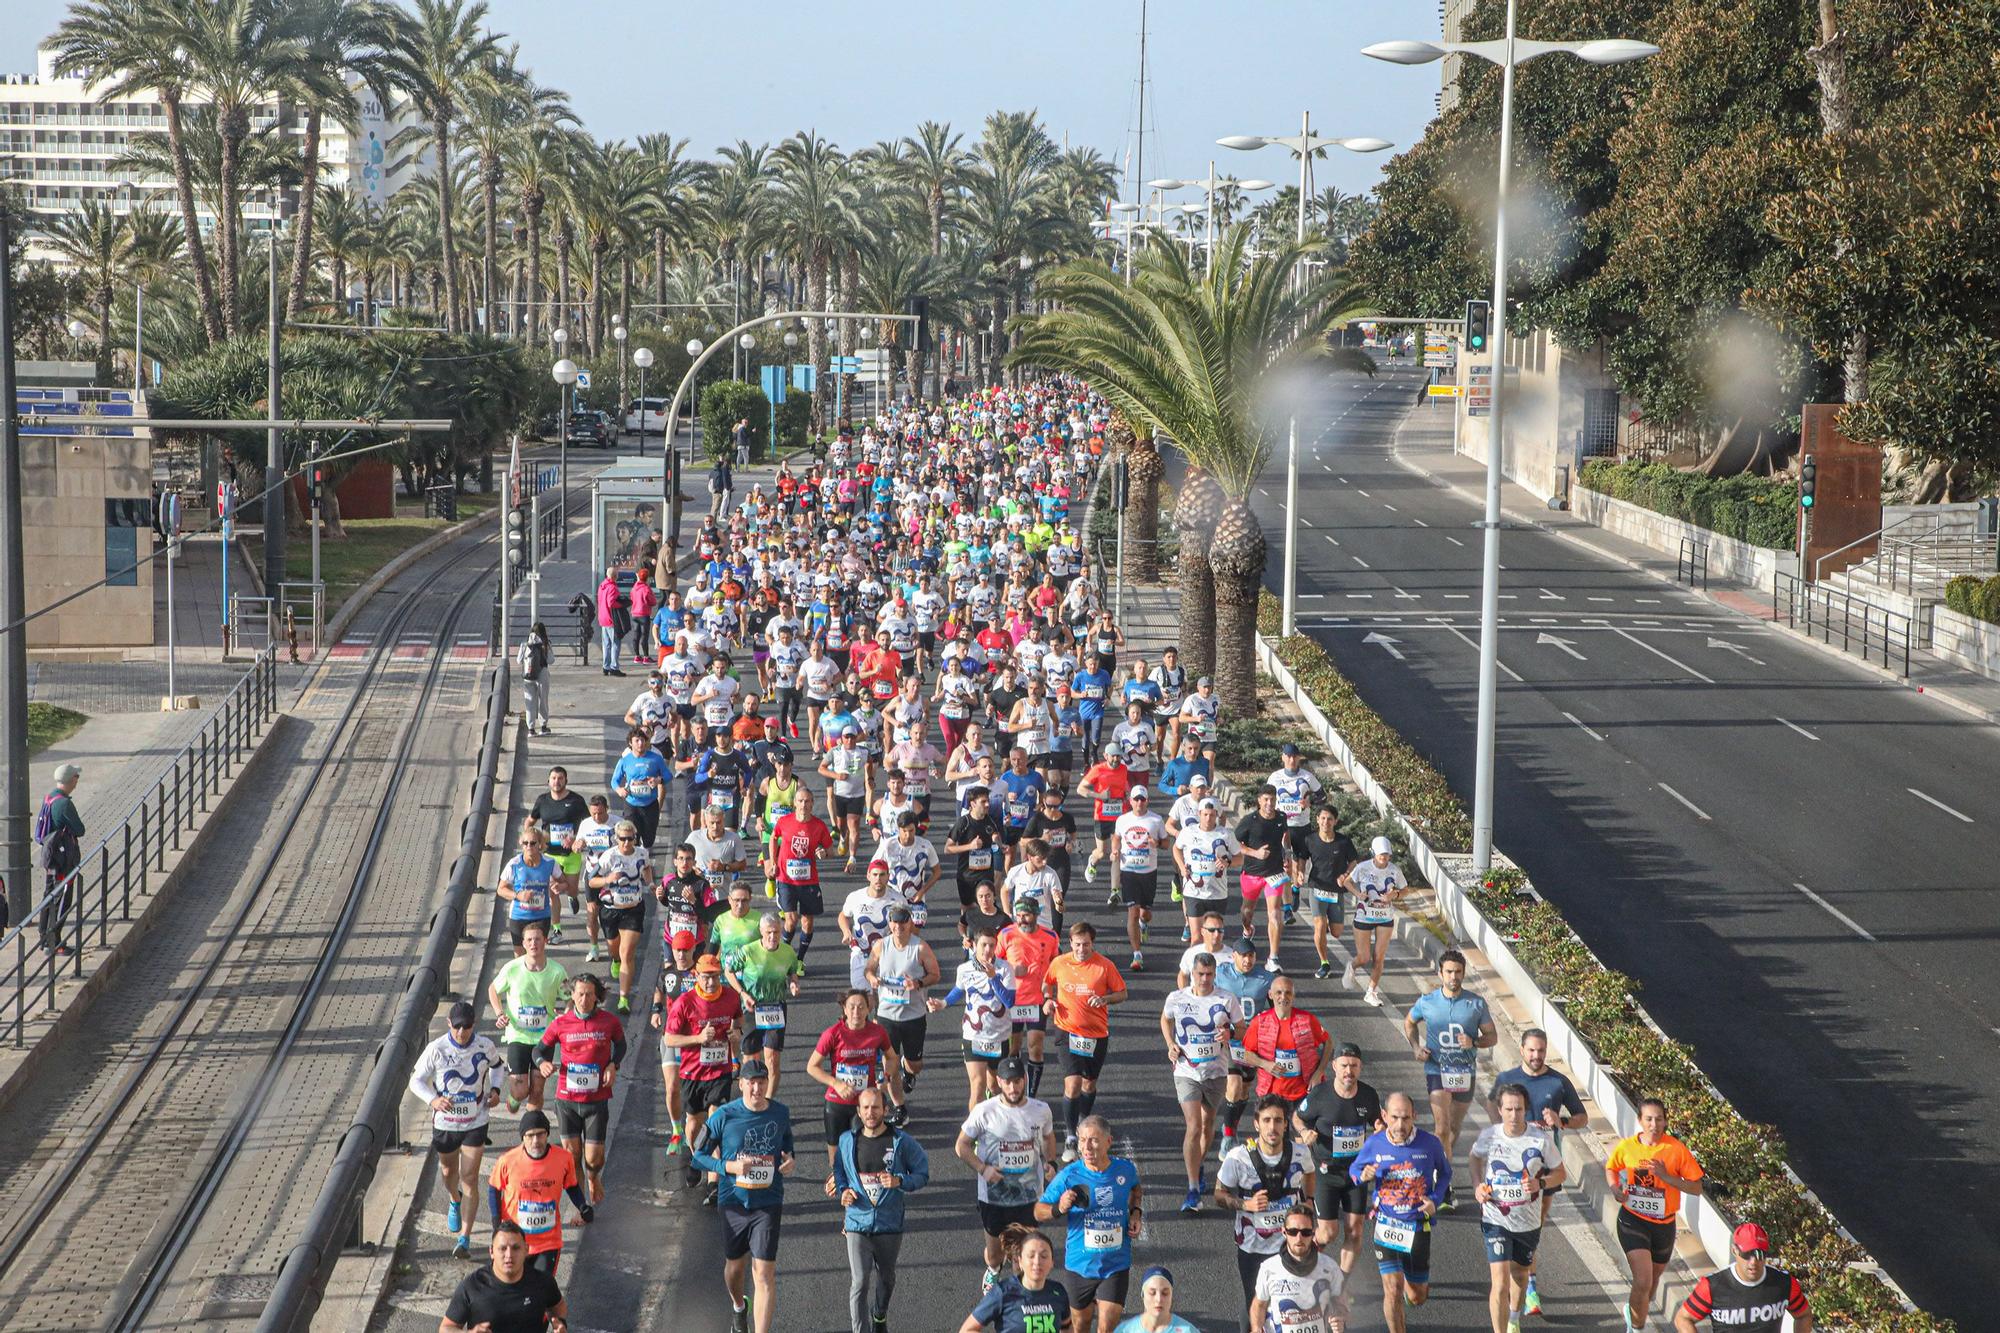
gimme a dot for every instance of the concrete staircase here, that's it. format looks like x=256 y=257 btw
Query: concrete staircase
x=1909 y=573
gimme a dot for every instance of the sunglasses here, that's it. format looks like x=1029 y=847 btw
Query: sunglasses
x=1298 y=1231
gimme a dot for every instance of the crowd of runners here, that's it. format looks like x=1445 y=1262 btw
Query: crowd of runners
x=893 y=668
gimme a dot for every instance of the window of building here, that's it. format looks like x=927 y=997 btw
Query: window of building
x=123 y=520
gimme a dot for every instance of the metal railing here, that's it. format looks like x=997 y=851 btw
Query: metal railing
x=1692 y=566
x=78 y=912
x=441 y=502
x=249 y=622
x=302 y=617
x=1936 y=557
x=1872 y=633
x=1908 y=534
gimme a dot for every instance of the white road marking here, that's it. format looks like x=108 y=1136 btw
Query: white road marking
x=1838 y=915
x=1342 y=480
x=1651 y=601
x=1361 y=596
x=1706 y=680
x=1388 y=645
x=1330 y=537
x=1801 y=730
x=1402 y=596
x=1563 y=644
x=1466 y=639
x=1419 y=522
x=1305 y=522
x=1391 y=508
x=1454 y=541
x=1699 y=812
x=1457 y=596
x=1311 y=596
x=1586 y=730
x=1598 y=599
x=1359 y=561
x=1727 y=646
x=1940 y=805
x=1363 y=494
x=1548 y=596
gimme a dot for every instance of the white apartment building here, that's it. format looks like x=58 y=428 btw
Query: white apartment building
x=57 y=144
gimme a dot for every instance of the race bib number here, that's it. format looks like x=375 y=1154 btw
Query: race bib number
x=980 y=859
x=769 y=1017
x=853 y=1075
x=1083 y=1046
x=1138 y=860
x=1103 y=1235
x=1455 y=1080
x=463 y=1113
x=1509 y=1191
x=1394 y=1234
x=1236 y=1051
x=985 y=1046
x=1204 y=728
x=1016 y=1159
x=531 y=900
x=798 y=869
x=582 y=1078
x=1372 y=914
x=624 y=894
x=1300 y=1321
x=874 y=1184
x=757 y=1173
x=683 y=921
x=1025 y=1013
x=1647 y=1201
x=1200 y=1050
x=713 y=1054
x=531 y=1017
x=1321 y=895
x=715 y=713
x=1285 y=1064
x=535 y=1218
x=895 y=990
x=1345 y=1141
x=721 y=798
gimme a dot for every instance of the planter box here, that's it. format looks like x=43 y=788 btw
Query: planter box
x=1727 y=557
x=1972 y=644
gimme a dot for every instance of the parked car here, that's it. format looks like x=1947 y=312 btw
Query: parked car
x=654 y=420
x=589 y=428
x=611 y=431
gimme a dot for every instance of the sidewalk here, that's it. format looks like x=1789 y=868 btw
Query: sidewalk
x=1423 y=444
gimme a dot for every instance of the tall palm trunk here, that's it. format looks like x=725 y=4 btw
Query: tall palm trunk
x=233 y=125
x=660 y=274
x=204 y=277
x=996 y=350
x=441 y=136
x=597 y=297
x=1196 y=515
x=560 y=318
x=1142 y=514
x=532 y=206
x=1236 y=558
x=850 y=298
x=103 y=294
x=816 y=264
x=340 y=281
x=936 y=202
x=302 y=237
x=367 y=292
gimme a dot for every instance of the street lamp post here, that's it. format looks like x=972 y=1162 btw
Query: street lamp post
x=618 y=335
x=1305 y=144
x=565 y=375
x=1507 y=52
x=642 y=358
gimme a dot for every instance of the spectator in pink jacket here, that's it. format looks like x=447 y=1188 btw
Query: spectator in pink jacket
x=610 y=601
x=645 y=601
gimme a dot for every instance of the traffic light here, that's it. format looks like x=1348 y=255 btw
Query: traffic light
x=1121 y=484
x=1808 y=477
x=1478 y=323
x=517 y=537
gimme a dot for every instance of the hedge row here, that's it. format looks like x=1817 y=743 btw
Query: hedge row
x=1744 y=1162
x=1417 y=788
x=1972 y=596
x=1763 y=511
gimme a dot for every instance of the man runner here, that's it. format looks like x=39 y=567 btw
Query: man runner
x=458 y=1077
x=748 y=1143
x=1008 y=1141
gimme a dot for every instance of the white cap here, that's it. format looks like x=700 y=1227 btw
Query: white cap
x=1208 y=803
x=1382 y=847
x=1136 y=791
x=1198 y=780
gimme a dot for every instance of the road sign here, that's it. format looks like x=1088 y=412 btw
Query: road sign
x=1444 y=391
x=583 y=379
x=1439 y=360
x=1479 y=389
x=843 y=365
x=774 y=384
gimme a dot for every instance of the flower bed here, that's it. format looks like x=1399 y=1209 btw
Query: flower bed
x=1745 y=1163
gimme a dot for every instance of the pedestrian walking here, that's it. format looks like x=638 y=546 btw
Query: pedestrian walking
x=59 y=833
x=534 y=667
x=739 y=439
x=722 y=481
x=610 y=601
x=645 y=601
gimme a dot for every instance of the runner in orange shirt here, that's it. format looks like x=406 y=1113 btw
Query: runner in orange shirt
x=1648 y=1173
x=1029 y=949
x=1083 y=985
x=526 y=1188
x=880 y=669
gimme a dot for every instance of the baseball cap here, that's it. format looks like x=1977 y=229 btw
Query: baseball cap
x=1208 y=803
x=1288 y=748
x=709 y=963
x=878 y=861
x=1012 y=1067
x=64 y=772
x=1749 y=1237
x=1381 y=847
x=752 y=1069
x=683 y=939
x=463 y=1015
x=1198 y=780
x=1205 y=680
x=1346 y=1049
x=1244 y=944
x=1136 y=793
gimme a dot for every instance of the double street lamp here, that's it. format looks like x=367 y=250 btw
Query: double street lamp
x=1507 y=52
x=565 y=373
x=1305 y=143
x=1209 y=186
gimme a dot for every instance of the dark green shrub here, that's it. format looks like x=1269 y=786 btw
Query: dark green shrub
x=726 y=402
x=1762 y=511
x=794 y=421
x=1961 y=593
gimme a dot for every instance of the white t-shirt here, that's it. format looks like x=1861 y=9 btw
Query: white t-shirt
x=909 y=866
x=1201 y=1026
x=1206 y=851
x=1011 y=1138
x=1510 y=1162
x=1042 y=885
x=1200 y=713
x=1377 y=884
x=720 y=701
x=1139 y=838
x=820 y=675
x=869 y=916
x=849 y=768
x=1295 y=793
x=651 y=711
x=986 y=1026
x=1262 y=1233
x=1297 y=1304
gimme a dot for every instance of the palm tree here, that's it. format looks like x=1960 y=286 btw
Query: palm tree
x=338 y=40
x=342 y=237
x=812 y=213
x=1196 y=357
x=439 y=55
x=96 y=242
x=132 y=46
x=674 y=202
x=936 y=165
x=497 y=105
x=535 y=159
x=735 y=209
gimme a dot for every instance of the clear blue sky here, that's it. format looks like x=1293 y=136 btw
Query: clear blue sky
x=862 y=72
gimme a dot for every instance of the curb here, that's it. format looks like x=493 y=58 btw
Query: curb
x=75 y=1001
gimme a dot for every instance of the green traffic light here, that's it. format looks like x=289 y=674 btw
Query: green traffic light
x=1805 y=502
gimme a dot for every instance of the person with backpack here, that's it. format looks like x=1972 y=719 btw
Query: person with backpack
x=59 y=833
x=533 y=664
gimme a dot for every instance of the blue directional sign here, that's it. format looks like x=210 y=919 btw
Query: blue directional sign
x=583 y=379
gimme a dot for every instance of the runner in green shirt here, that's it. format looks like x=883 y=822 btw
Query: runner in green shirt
x=528 y=992
x=766 y=974
x=736 y=927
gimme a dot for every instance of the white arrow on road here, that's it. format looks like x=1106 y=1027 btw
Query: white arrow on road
x=1736 y=648
x=1388 y=644
x=1563 y=644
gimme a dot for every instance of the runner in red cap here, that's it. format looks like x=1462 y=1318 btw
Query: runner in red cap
x=1748 y=1295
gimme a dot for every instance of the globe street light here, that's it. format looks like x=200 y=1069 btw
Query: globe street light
x=791 y=339
x=565 y=375
x=1305 y=143
x=618 y=333
x=642 y=358
x=1507 y=52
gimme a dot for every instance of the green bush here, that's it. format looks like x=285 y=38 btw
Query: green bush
x=1762 y=511
x=794 y=421
x=726 y=402
x=1986 y=601
x=1962 y=594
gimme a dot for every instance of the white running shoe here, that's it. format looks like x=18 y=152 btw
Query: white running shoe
x=1373 y=997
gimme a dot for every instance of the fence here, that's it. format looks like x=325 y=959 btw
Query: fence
x=1832 y=616
x=1691 y=567
x=80 y=910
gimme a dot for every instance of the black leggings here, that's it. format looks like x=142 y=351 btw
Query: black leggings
x=646 y=818
x=788 y=711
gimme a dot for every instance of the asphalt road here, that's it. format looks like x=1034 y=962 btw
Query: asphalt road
x=1792 y=856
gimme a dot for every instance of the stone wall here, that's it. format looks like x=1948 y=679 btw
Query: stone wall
x=1727 y=557
x=66 y=482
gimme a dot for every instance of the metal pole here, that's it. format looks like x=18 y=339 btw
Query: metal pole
x=1489 y=584
x=562 y=469
x=274 y=457
x=1290 y=603
x=138 y=337
x=173 y=544
x=535 y=558
x=642 y=411
x=14 y=817
x=313 y=489
x=1118 y=585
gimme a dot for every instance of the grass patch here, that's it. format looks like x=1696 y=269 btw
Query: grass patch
x=346 y=564
x=50 y=724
